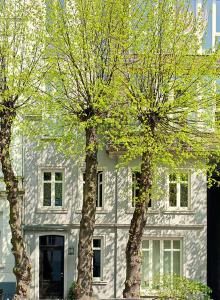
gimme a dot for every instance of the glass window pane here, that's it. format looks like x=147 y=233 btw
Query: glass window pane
x=176 y=262
x=58 y=176
x=99 y=177
x=167 y=262
x=47 y=194
x=96 y=263
x=58 y=193
x=218 y=16
x=156 y=257
x=172 y=177
x=167 y=244
x=47 y=176
x=184 y=177
x=145 y=269
x=184 y=194
x=97 y=243
x=176 y=244
x=173 y=194
x=145 y=244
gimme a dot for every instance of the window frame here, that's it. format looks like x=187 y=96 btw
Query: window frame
x=178 y=195
x=1 y=237
x=99 y=170
x=162 y=251
x=102 y=254
x=41 y=181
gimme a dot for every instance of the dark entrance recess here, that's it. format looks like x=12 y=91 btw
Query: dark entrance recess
x=213 y=219
x=51 y=266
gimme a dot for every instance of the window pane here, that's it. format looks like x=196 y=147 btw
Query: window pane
x=167 y=262
x=47 y=176
x=145 y=244
x=96 y=263
x=218 y=16
x=176 y=262
x=184 y=177
x=156 y=257
x=184 y=194
x=172 y=177
x=58 y=194
x=47 y=194
x=167 y=244
x=145 y=269
x=58 y=176
x=99 y=176
x=97 y=243
x=173 y=194
x=176 y=244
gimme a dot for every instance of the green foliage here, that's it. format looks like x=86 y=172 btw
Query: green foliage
x=180 y=288
x=168 y=87
x=71 y=294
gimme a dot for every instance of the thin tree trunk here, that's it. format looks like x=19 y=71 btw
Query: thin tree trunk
x=83 y=289
x=22 y=267
x=138 y=222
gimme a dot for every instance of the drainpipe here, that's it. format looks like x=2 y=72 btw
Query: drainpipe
x=116 y=231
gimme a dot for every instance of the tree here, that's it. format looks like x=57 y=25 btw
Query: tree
x=85 y=39
x=168 y=114
x=21 y=49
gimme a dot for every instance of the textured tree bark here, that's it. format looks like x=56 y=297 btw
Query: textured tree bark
x=83 y=290
x=22 y=267
x=138 y=222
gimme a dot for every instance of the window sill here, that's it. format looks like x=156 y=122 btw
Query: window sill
x=179 y=212
x=150 y=211
x=101 y=282
x=98 y=211
x=53 y=210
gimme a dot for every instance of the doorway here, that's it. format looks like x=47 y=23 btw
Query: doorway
x=51 y=267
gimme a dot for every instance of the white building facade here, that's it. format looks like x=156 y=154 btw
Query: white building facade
x=175 y=237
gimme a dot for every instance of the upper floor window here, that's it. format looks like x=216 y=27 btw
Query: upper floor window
x=160 y=257
x=97 y=258
x=53 y=188
x=99 y=191
x=179 y=190
x=136 y=188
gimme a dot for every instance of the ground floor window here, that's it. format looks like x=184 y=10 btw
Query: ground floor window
x=97 y=258
x=160 y=257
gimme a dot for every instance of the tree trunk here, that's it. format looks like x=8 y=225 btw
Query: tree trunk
x=83 y=290
x=22 y=268
x=138 y=222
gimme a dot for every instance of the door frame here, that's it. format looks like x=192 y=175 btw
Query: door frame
x=37 y=256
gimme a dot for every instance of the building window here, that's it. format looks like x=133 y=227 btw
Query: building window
x=179 y=190
x=53 y=188
x=136 y=188
x=1 y=237
x=99 y=191
x=160 y=257
x=97 y=258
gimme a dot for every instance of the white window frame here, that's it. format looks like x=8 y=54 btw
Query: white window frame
x=162 y=251
x=215 y=33
x=178 y=183
x=99 y=184
x=101 y=248
x=51 y=170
